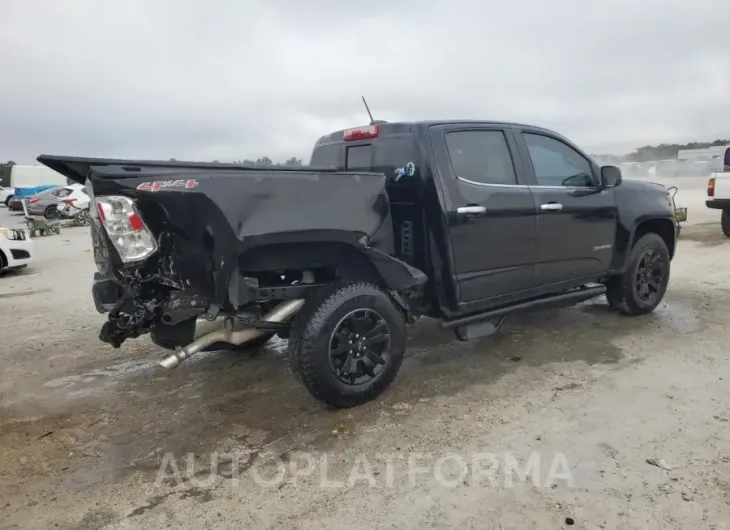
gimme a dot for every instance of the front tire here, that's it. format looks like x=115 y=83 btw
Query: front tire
x=347 y=344
x=641 y=287
x=7 y=201
x=725 y=222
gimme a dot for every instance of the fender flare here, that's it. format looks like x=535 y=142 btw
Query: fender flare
x=396 y=274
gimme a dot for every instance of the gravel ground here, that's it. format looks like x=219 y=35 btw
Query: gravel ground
x=577 y=417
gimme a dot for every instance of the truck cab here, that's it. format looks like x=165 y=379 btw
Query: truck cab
x=496 y=213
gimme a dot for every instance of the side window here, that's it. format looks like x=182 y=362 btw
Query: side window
x=63 y=192
x=359 y=158
x=481 y=156
x=556 y=163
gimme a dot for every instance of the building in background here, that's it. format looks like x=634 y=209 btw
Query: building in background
x=715 y=158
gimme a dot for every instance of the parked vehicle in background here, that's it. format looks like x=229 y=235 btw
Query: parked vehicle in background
x=465 y=222
x=15 y=204
x=48 y=203
x=75 y=209
x=5 y=195
x=29 y=176
x=718 y=197
x=16 y=249
x=36 y=204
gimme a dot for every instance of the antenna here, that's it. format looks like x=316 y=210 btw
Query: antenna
x=372 y=121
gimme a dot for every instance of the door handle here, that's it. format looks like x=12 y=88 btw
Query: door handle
x=551 y=207
x=471 y=210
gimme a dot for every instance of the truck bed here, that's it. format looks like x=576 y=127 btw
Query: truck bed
x=208 y=215
x=241 y=200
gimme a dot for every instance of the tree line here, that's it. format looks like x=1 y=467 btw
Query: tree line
x=263 y=161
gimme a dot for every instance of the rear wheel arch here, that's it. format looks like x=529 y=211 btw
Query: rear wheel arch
x=345 y=262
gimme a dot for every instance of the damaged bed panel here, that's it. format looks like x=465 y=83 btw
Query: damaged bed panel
x=207 y=216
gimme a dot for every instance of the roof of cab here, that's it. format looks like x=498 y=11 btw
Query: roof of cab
x=402 y=127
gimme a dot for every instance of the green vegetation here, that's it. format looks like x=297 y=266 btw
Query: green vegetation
x=5 y=173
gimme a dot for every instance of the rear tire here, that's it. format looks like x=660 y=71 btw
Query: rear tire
x=641 y=287
x=725 y=222
x=347 y=344
x=51 y=213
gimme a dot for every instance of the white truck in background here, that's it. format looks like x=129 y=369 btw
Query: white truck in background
x=31 y=176
x=718 y=197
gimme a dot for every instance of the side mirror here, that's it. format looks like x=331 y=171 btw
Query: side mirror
x=610 y=176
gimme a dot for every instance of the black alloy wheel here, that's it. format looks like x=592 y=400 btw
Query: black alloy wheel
x=359 y=347
x=650 y=275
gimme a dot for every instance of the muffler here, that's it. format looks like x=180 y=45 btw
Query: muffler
x=226 y=333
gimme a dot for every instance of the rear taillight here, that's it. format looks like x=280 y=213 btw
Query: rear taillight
x=126 y=228
x=33 y=201
x=711 y=187
x=361 y=133
x=68 y=201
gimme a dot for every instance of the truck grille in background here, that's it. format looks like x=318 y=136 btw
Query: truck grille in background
x=406 y=239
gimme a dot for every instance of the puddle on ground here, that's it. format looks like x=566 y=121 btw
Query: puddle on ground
x=99 y=380
x=227 y=401
x=678 y=316
x=25 y=293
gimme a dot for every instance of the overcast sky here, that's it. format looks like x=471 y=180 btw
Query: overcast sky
x=228 y=79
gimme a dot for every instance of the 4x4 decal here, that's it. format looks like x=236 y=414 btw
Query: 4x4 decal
x=174 y=184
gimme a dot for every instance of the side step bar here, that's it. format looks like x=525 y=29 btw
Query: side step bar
x=547 y=302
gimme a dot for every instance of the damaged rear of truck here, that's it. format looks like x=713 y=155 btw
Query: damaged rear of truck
x=222 y=256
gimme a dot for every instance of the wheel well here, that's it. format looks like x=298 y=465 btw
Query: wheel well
x=328 y=260
x=3 y=260
x=662 y=227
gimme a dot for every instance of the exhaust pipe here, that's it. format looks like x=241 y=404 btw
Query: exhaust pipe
x=280 y=313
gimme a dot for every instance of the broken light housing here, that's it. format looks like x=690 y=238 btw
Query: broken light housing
x=126 y=228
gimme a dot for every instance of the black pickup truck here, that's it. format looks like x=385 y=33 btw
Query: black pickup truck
x=464 y=222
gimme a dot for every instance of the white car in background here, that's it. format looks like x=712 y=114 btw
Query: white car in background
x=5 y=194
x=73 y=203
x=16 y=249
